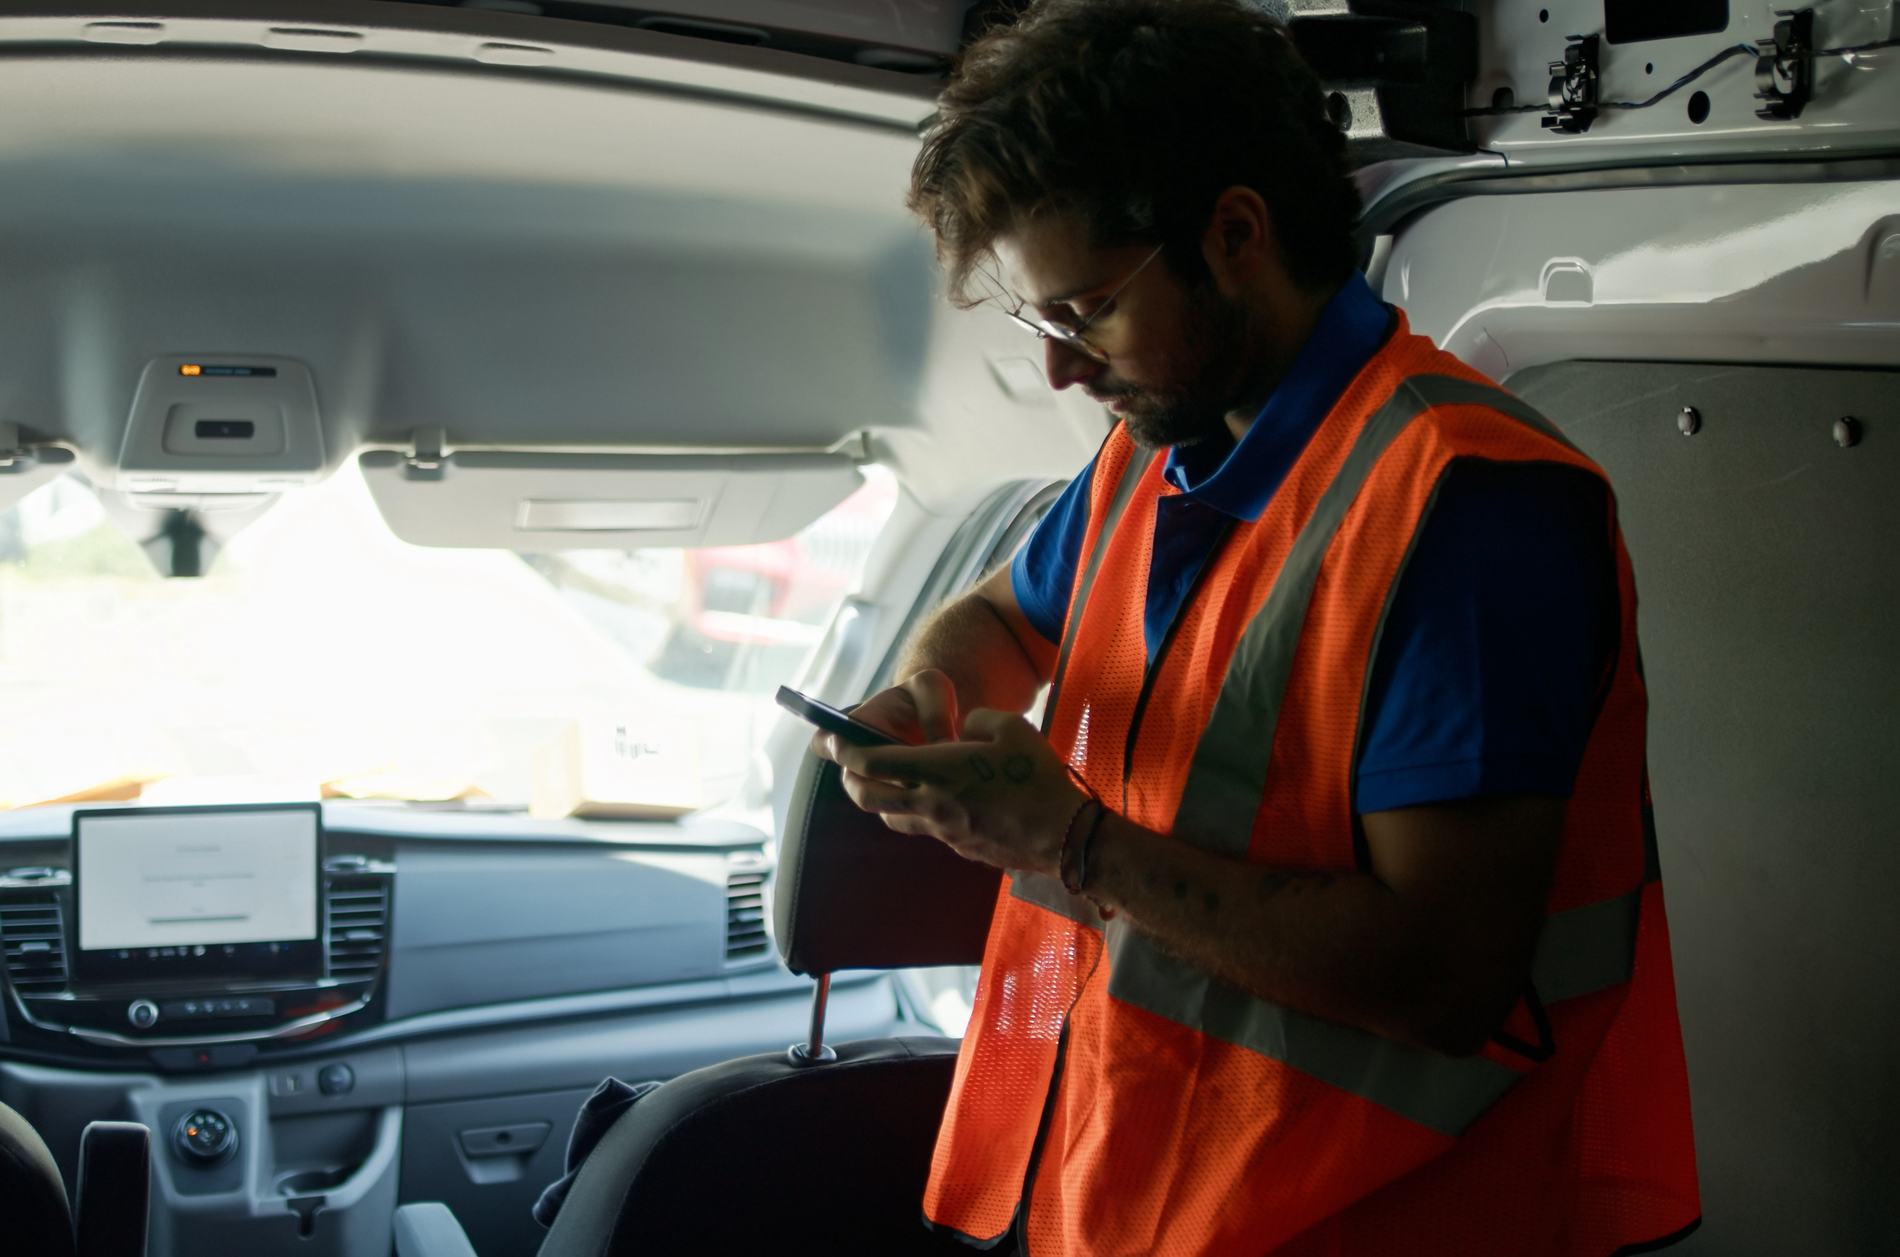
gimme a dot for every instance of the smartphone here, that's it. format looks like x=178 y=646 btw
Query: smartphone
x=831 y=720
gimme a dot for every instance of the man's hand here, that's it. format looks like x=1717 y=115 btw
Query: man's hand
x=921 y=709
x=999 y=796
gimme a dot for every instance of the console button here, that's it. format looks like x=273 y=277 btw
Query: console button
x=204 y=1137
x=142 y=1013
x=237 y=1006
x=218 y=1056
x=335 y=1080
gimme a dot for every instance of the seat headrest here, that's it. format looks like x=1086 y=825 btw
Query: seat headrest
x=852 y=894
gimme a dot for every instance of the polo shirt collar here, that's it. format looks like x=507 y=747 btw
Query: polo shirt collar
x=1240 y=478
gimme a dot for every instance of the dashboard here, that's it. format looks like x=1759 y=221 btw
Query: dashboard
x=187 y=926
x=324 y=1010
x=254 y=931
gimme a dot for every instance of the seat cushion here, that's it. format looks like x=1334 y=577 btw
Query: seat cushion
x=759 y=1155
x=36 y=1218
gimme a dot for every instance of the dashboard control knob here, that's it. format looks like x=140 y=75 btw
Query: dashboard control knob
x=204 y=1137
x=335 y=1080
x=142 y=1013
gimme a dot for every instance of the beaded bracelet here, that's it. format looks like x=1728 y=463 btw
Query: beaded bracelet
x=1082 y=852
x=1068 y=839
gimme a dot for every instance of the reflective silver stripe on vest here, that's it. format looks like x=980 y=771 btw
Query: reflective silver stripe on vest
x=1444 y=1093
x=1046 y=892
x=1581 y=951
x=1137 y=467
x=1228 y=777
x=1587 y=949
x=1449 y=390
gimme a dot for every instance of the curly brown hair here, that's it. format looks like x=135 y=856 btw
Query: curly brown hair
x=1133 y=116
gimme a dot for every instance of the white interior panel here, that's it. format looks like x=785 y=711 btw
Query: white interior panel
x=1747 y=273
x=527 y=261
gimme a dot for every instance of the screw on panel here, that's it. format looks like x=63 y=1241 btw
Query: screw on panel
x=1847 y=432
x=1689 y=422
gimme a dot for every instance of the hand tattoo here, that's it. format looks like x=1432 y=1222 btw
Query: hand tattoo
x=1019 y=768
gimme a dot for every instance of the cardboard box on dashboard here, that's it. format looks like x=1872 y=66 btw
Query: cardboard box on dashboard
x=606 y=769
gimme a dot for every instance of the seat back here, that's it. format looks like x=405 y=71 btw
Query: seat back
x=106 y=1216
x=768 y=1154
x=38 y=1219
x=759 y=1155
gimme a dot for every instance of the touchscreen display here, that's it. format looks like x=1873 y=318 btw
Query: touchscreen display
x=197 y=892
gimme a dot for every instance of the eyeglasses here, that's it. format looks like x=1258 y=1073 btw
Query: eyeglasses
x=1070 y=337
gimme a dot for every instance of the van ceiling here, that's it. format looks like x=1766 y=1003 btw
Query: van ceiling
x=521 y=261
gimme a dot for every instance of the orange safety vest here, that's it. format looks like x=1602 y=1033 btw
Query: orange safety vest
x=1144 y=1107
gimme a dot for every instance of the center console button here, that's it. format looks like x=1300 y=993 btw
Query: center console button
x=335 y=1080
x=216 y=1056
x=204 y=1136
x=142 y=1013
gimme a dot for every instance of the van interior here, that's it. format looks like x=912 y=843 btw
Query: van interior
x=429 y=432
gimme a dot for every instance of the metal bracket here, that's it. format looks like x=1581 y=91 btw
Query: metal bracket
x=1788 y=59
x=11 y=451
x=1573 y=87
x=855 y=446
x=427 y=459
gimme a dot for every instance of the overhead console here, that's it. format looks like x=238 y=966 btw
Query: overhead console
x=222 y=424
x=195 y=928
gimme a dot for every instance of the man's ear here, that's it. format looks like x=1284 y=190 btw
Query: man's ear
x=1239 y=239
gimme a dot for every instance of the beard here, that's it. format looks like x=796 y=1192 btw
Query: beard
x=1210 y=368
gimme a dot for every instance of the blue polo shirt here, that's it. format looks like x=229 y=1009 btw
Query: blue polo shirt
x=1487 y=674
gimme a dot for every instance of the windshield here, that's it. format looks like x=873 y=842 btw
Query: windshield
x=322 y=656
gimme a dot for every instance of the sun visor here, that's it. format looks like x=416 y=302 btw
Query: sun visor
x=517 y=500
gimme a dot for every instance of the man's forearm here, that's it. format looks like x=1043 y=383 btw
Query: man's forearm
x=1339 y=946
x=968 y=640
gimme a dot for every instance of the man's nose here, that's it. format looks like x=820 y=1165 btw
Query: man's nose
x=1065 y=365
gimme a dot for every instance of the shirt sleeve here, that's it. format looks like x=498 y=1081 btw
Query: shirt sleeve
x=1043 y=571
x=1488 y=673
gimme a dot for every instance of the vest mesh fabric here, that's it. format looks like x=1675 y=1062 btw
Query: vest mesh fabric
x=1168 y=1133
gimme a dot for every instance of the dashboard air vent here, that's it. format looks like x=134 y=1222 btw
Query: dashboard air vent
x=745 y=914
x=358 y=914
x=34 y=932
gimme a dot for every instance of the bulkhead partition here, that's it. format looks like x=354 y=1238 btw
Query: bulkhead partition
x=1761 y=506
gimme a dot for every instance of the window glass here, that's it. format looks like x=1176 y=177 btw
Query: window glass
x=319 y=653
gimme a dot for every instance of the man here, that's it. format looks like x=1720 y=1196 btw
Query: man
x=1331 y=923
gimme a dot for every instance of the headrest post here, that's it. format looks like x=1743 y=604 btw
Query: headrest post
x=815 y=1047
x=814 y=1051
